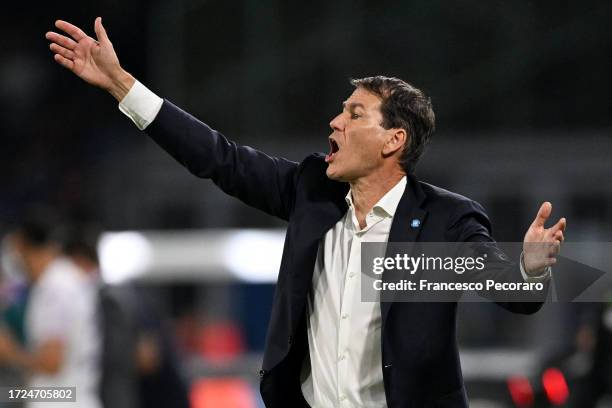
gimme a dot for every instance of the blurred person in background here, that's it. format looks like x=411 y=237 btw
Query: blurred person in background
x=13 y=291
x=354 y=193
x=119 y=377
x=601 y=373
x=13 y=301
x=161 y=382
x=62 y=337
x=139 y=366
x=594 y=339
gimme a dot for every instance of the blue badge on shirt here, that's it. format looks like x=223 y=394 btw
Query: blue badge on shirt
x=415 y=223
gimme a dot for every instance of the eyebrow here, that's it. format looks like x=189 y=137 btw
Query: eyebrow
x=353 y=105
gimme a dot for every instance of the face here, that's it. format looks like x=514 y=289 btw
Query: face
x=358 y=141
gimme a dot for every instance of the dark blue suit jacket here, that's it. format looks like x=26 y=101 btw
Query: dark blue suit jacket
x=419 y=349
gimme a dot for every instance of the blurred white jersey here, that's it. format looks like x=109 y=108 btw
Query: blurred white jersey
x=63 y=305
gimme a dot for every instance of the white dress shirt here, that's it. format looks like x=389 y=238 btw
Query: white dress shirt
x=344 y=333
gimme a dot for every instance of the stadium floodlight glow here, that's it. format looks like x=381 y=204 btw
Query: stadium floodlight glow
x=124 y=256
x=254 y=255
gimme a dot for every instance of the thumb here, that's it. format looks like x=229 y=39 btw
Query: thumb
x=100 y=31
x=543 y=214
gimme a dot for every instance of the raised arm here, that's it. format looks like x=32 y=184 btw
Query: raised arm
x=264 y=182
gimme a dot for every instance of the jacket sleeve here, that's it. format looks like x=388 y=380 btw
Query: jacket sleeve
x=261 y=181
x=470 y=224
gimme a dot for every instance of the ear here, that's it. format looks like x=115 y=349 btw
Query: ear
x=396 y=139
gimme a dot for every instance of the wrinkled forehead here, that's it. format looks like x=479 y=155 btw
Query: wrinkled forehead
x=364 y=99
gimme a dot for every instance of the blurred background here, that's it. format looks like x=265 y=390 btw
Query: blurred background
x=521 y=92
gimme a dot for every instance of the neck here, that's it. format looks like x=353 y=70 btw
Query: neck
x=367 y=191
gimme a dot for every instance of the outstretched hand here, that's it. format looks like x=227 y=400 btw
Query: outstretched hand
x=541 y=245
x=94 y=61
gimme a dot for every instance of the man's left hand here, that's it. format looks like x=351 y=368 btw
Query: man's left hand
x=542 y=245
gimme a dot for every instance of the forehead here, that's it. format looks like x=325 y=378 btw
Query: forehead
x=367 y=99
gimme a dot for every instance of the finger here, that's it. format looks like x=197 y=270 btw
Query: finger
x=100 y=31
x=543 y=214
x=63 y=61
x=546 y=263
x=551 y=233
x=555 y=248
x=559 y=226
x=62 y=40
x=550 y=262
x=62 y=51
x=559 y=236
x=70 y=29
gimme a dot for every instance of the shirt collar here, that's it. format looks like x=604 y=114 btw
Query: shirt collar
x=389 y=202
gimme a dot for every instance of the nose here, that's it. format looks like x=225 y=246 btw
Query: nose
x=337 y=123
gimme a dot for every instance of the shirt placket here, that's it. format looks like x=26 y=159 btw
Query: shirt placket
x=348 y=306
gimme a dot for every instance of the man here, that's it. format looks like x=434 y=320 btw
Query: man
x=326 y=348
x=138 y=364
x=60 y=322
x=118 y=378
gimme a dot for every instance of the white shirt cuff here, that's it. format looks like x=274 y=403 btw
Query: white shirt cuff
x=141 y=105
x=543 y=277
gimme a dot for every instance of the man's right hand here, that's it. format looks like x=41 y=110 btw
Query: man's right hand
x=93 y=61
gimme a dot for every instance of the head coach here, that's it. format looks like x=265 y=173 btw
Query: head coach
x=324 y=347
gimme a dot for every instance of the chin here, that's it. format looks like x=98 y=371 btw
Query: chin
x=332 y=174
x=335 y=175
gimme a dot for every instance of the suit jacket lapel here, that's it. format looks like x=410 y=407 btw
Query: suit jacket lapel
x=406 y=226
x=323 y=214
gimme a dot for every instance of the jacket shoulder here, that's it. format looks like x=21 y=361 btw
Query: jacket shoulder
x=312 y=182
x=439 y=197
x=314 y=161
x=313 y=168
x=461 y=217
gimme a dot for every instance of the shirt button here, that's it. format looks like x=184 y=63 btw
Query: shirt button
x=344 y=316
x=351 y=274
x=342 y=397
x=341 y=357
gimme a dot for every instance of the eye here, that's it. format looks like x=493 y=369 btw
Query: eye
x=355 y=116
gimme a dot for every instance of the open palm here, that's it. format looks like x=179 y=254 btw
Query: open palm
x=94 y=61
x=541 y=245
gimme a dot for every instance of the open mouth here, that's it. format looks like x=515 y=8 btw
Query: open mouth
x=333 y=150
